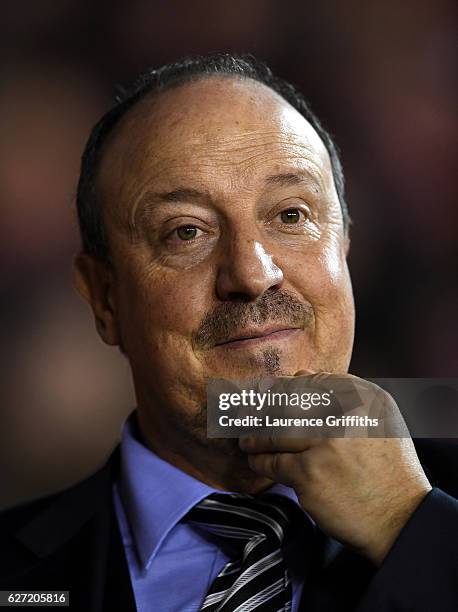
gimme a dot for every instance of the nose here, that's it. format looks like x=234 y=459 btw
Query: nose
x=246 y=271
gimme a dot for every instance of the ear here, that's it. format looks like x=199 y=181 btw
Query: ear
x=94 y=282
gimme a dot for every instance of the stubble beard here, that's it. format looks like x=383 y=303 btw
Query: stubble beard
x=193 y=427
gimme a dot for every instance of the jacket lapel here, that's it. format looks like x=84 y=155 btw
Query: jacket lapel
x=73 y=543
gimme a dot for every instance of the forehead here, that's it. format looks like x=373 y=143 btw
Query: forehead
x=222 y=129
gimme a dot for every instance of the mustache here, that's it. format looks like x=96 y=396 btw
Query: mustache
x=273 y=306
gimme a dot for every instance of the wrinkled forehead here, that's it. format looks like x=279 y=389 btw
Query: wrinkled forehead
x=224 y=127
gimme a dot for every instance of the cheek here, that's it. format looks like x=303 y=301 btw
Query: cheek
x=335 y=315
x=336 y=294
x=321 y=274
x=323 y=280
x=334 y=266
x=159 y=309
x=159 y=313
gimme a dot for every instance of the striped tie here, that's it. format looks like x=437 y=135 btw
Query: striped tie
x=257 y=526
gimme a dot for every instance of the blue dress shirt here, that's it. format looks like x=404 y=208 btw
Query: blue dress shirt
x=171 y=564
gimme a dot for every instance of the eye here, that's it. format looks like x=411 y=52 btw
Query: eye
x=292 y=216
x=186 y=232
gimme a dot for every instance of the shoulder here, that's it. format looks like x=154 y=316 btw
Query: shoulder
x=77 y=500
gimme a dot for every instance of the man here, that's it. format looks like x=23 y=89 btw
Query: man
x=215 y=235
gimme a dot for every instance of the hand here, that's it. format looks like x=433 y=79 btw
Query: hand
x=361 y=491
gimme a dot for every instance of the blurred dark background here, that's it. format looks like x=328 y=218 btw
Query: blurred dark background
x=382 y=75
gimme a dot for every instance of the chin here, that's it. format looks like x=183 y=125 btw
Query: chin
x=256 y=364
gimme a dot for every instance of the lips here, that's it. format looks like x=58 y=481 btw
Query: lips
x=272 y=332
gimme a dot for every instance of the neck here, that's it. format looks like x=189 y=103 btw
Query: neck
x=218 y=463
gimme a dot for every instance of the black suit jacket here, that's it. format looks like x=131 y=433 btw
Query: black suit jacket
x=71 y=541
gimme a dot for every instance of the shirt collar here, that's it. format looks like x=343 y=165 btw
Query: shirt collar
x=156 y=495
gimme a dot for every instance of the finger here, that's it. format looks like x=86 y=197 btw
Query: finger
x=276 y=466
x=272 y=444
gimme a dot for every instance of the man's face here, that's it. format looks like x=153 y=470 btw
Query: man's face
x=227 y=241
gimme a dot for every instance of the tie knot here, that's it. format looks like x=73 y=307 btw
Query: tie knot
x=244 y=517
